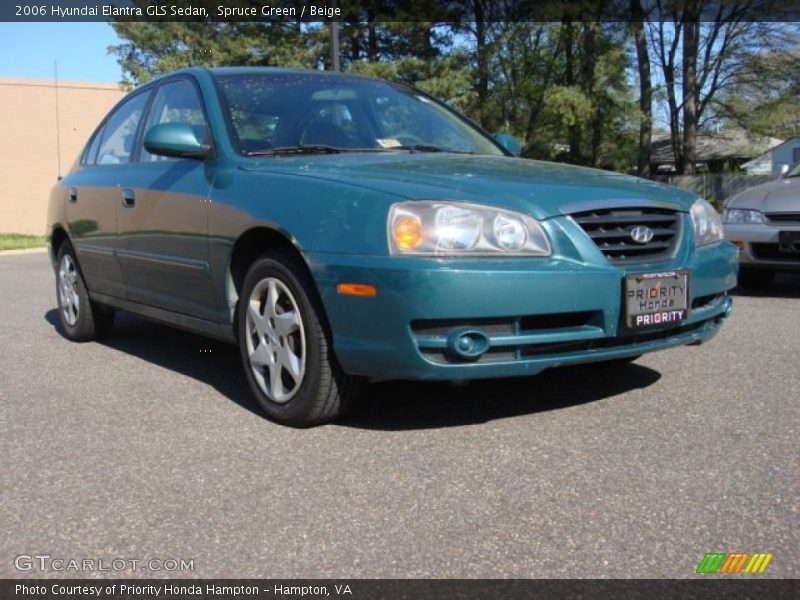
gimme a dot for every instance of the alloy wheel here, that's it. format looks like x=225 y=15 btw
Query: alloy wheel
x=68 y=298
x=275 y=338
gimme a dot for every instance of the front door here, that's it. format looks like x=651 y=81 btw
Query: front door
x=162 y=219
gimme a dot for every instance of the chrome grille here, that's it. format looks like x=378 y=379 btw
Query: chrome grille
x=611 y=230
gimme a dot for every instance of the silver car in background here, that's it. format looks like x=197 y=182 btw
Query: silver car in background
x=764 y=221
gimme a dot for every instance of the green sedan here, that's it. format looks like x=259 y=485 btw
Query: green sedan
x=339 y=228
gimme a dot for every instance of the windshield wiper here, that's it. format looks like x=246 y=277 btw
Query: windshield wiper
x=326 y=149
x=311 y=149
x=428 y=148
x=299 y=149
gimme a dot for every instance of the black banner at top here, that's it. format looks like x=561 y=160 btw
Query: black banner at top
x=443 y=11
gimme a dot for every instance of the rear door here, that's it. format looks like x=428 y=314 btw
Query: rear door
x=163 y=214
x=94 y=196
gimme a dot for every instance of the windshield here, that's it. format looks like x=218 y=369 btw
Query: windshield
x=794 y=171
x=269 y=111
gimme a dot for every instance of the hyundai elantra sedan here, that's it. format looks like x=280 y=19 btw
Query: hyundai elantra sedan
x=339 y=228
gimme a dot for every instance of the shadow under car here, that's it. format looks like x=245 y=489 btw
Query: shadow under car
x=389 y=405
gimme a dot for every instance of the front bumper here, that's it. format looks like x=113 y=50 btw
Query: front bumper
x=536 y=313
x=759 y=246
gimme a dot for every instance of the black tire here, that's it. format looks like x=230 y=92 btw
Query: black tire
x=82 y=320
x=322 y=392
x=755 y=278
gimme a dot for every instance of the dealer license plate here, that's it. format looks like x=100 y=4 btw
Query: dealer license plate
x=656 y=298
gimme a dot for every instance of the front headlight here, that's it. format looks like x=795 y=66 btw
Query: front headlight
x=448 y=228
x=707 y=223
x=741 y=216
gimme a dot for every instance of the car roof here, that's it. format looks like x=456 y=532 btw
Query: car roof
x=259 y=70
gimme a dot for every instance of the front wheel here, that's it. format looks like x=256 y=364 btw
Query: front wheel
x=285 y=349
x=82 y=320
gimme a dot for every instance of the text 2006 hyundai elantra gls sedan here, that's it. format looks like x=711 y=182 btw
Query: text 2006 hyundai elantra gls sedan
x=337 y=227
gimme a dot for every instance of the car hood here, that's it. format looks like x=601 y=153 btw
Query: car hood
x=542 y=189
x=782 y=195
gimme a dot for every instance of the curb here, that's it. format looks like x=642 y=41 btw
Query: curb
x=23 y=251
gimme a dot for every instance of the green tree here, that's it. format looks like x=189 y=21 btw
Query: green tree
x=702 y=53
x=645 y=88
x=562 y=86
x=766 y=100
x=557 y=75
x=150 y=49
x=447 y=78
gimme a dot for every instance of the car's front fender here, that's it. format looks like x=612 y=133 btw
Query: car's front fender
x=322 y=215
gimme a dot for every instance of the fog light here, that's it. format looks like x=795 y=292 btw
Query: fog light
x=468 y=344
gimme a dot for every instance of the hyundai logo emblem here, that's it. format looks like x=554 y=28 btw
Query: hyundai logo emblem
x=641 y=234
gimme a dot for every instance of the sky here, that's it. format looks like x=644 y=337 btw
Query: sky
x=79 y=48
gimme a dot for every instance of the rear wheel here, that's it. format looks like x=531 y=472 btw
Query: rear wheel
x=284 y=345
x=755 y=278
x=82 y=320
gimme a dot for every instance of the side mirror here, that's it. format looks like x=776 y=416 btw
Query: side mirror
x=509 y=142
x=176 y=140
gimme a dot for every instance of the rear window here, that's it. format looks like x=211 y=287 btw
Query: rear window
x=90 y=154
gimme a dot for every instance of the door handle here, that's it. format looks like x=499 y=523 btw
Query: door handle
x=128 y=198
x=73 y=194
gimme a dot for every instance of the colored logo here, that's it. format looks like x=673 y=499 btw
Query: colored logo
x=735 y=562
x=641 y=234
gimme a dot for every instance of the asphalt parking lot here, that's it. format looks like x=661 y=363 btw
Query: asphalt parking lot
x=148 y=445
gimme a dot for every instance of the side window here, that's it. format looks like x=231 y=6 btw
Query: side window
x=176 y=102
x=90 y=154
x=119 y=134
